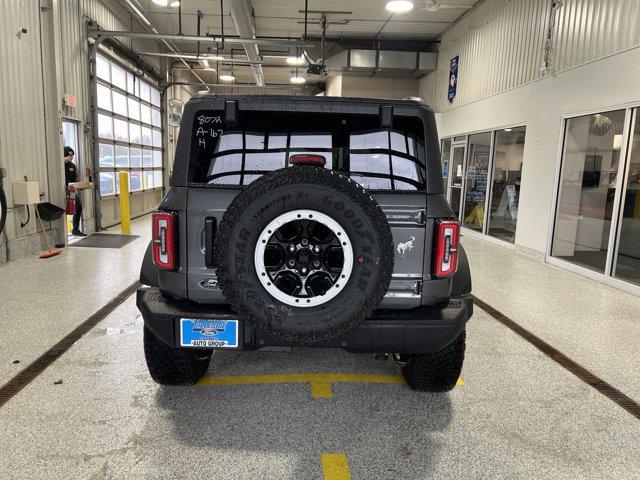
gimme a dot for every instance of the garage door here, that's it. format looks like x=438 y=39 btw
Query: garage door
x=129 y=132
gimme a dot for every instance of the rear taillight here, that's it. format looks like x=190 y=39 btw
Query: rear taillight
x=446 y=248
x=165 y=248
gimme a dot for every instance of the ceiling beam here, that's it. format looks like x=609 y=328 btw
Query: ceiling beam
x=242 y=15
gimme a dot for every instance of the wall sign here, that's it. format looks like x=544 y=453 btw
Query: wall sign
x=453 y=78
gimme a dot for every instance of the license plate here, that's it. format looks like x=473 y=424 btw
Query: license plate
x=208 y=333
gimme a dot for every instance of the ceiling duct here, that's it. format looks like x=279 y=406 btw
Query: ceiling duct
x=382 y=63
x=242 y=15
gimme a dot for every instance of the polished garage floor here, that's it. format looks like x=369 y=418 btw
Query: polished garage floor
x=95 y=413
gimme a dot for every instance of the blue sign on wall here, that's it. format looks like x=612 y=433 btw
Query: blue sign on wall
x=453 y=78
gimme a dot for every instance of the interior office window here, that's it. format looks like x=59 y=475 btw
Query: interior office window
x=627 y=262
x=444 y=157
x=476 y=175
x=590 y=166
x=508 y=152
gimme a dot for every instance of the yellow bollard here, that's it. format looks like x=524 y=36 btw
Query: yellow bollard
x=125 y=210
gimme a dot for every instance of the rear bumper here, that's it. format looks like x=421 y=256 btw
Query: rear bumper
x=419 y=330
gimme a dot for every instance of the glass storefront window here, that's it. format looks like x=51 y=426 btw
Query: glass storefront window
x=590 y=164
x=476 y=175
x=457 y=161
x=505 y=189
x=446 y=153
x=627 y=261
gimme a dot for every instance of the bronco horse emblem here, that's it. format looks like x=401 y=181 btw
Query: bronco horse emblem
x=405 y=247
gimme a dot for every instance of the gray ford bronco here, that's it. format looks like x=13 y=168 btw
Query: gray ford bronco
x=306 y=221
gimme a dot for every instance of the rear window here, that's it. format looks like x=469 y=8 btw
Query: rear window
x=377 y=158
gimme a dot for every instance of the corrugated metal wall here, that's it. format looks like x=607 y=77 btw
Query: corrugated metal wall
x=27 y=86
x=22 y=124
x=501 y=44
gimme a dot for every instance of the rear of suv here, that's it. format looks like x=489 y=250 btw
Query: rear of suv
x=306 y=221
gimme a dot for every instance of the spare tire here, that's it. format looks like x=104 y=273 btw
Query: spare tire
x=304 y=254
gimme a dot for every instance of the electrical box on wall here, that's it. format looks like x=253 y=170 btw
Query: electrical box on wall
x=26 y=193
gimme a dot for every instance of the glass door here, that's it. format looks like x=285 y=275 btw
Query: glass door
x=476 y=176
x=456 y=174
x=627 y=258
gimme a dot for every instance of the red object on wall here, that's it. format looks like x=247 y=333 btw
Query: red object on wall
x=71 y=201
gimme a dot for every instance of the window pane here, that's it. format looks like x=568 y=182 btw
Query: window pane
x=104 y=97
x=134 y=109
x=155 y=97
x=119 y=103
x=157 y=158
x=121 y=130
x=155 y=117
x=122 y=156
x=457 y=160
x=628 y=258
x=107 y=186
x=505 y=191
x=146 y=136
x=403 y=167
x=118 y=76
x=106 y=155
x=262 y=161
x=157 y=179
x=157 y=138
x=135 y=180
x=130 y=83
x=147 y=179
x=398 y=142
x=145 y=114
x=446 y=153
x=478 y=151
x=102 y=68
x=375 y=163
x=223 y=164
x=135 y=133
x=590 y=163
x=135 y=157
x=145 y=91
x=105 y=127
x=147 y=159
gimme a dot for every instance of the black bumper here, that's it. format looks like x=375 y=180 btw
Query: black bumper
x=419 y=330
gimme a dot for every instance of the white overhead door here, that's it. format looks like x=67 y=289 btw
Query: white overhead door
x=129 y=136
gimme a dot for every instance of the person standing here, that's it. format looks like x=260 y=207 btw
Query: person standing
x=71 y=176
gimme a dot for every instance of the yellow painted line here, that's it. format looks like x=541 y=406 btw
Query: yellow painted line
x=302 y=378
x=320 y=383
x=335 y=466
x=321 y=390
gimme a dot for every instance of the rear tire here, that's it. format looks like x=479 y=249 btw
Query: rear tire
x=173 y=366
x=436 y=372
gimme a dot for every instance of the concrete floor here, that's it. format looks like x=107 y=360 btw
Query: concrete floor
x=518 y=414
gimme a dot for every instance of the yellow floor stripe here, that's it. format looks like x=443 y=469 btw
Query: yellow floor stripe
x=320 y=383
x=301 y=378
x=321 y=390
x=335 y=466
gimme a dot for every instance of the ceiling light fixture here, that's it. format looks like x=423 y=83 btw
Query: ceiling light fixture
x=205 y=63
x=295 y=61
x=162 y=3
x=507 y=129
x=175 y=4
x=399 y=6
x=297 y=80
x=226 y=77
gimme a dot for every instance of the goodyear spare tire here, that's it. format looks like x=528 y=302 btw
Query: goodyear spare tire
x=304 y=254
